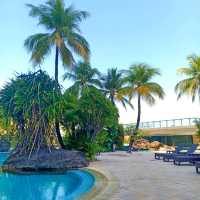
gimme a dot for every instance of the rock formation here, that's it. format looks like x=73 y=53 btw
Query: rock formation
x=56 y=161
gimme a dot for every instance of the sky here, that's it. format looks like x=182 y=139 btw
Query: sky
x=120 y=33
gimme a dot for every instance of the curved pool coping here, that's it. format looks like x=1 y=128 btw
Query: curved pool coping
x=105 y=186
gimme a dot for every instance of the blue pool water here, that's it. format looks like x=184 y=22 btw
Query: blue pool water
x=68 y=186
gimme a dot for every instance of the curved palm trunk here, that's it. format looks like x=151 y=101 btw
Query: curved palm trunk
x=111 y=129
x=139 y=114
x=59 y=137
x=137 y=123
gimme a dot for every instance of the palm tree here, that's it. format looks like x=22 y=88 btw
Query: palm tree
x=63 y=35
x=140 y=84
x=113 y=85
x=83 y=76
x=191 y=84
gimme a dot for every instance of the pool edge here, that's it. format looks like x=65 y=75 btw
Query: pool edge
x=106 y=185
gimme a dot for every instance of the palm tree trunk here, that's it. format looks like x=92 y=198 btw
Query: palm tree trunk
x=112 y=100
x=56 y=64
x=137 y=123
x=139 y=114
x=57 y=126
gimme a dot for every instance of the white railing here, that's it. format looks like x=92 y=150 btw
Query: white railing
x=183 y=122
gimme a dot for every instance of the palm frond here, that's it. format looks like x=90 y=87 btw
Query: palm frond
x=138 y=79
x=149 y=99
x=76 y=15
x=66 y=56
x=187 y=87
x=39 y=45
x=190 y=86
x=79 y=44
x=63 y=26
x=185 y=71
x=69 y=75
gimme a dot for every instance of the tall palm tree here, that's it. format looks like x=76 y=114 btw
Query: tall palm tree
x=83 y=75
x=191 y=84
x=63 y=35
x=140 y=84
x=113 y=85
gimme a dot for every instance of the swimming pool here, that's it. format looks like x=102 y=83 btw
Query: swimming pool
x=67 y=186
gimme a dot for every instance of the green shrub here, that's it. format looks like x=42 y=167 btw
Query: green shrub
x=84 y=144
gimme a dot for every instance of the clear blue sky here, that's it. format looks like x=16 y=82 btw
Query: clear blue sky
x=160 y=33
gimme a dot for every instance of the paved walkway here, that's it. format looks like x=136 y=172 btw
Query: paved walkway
x=141 y=177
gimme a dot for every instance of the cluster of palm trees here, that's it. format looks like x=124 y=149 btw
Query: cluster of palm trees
x=119 y=86
x=63 y=36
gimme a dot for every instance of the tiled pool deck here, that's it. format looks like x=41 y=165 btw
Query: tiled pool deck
x=138 y=176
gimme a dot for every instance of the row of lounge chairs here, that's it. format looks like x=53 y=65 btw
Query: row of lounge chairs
x=181 y=155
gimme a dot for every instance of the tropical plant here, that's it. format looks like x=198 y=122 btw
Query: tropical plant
x=70 y=115
x=90 y=115
x=113 y=86
x=191 y=84
x=96 y=112
x=197 y=123
x=111 y=136
x=128 y=129
x=31 y=102
x=140 y=84
x=64 y=35
x=83 y=75
x=83 y=144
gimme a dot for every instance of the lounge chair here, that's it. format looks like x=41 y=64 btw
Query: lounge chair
x=170 y=157
x=167 y=157
x=190 y=157
x=197 y=165
x=159 y=156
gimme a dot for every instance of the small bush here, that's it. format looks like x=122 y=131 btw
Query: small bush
x=86 y=145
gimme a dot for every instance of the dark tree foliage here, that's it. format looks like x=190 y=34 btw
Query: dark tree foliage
x=96 y=112
x=30 y=101
x=114 y=87
x=85 y=118
x=83 y=76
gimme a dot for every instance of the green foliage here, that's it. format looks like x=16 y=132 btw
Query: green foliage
x=128 y=130
x=63 y=33
x=31 y=102
x=96 y=112
x=139 y=79
x=105 y=142
x=83 y=76
x=197 y=123
x=85 y=119
x=91 y=149
x=114 y=87
x=139 y=134
x=84 y=144
x=190 y=85
x=140 y=84
x=107 y=137
x=88 y=114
